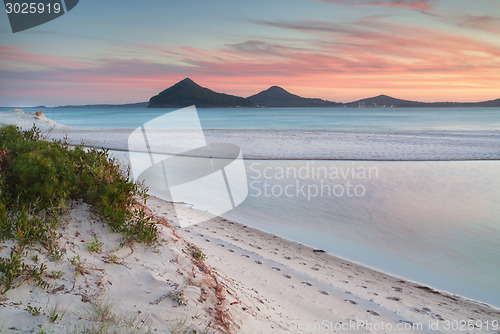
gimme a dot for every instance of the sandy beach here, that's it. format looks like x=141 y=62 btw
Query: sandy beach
x=251 y=281
x=300 y=288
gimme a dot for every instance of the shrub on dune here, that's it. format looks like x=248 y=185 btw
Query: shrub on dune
x=38 y=182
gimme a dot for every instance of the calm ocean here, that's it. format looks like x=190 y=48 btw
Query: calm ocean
x=437 y=223
x=286 y=118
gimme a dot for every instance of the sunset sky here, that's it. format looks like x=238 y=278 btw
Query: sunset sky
x=117 y=51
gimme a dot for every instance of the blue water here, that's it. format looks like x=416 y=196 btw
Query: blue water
x=287 y=118
x=437 y=223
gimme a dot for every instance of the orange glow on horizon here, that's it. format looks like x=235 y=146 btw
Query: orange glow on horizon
x=335 y=62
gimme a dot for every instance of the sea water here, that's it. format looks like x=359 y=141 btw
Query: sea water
x=437 y=223
x=343 y=119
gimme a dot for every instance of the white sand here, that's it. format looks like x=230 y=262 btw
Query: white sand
x=298 y=288
x=259 y=283
x=141 y=283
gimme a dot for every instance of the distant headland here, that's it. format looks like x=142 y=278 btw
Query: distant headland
x=187 y=92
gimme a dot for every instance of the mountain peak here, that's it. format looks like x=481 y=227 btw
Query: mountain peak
x=276 y=91
x=381 y=100
x=276 y=88
x=187 y=92
x=186 y=81
x=276 y=96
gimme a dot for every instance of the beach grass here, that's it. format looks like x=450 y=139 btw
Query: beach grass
x=182 y=326
x=103 y=318
x=198 y=254
x=39 y=181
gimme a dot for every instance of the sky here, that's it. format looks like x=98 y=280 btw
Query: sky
x=121 y=51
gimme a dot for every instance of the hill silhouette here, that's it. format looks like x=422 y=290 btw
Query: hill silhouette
x=187 y=92
x=128 y=105
x=388 y=101
x=276 y=96
x=384 y=100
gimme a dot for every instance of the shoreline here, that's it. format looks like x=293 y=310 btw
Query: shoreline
x=362 y=265
x=313 y=249
x=281 y=269
x=425 y=286
x=250 y=282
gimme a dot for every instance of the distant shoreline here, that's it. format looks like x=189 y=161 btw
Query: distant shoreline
x=429 y=105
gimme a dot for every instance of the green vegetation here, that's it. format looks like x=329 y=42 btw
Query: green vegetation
x=55 y=313
x=75 y=260
x=198 y=254
x=177 y=297
x=34 y=311
x=39 y=180
x=14 y=272
x=95 y=246
x=182 y=327
x=56 y=255
x=112 y=258
x=56 y=274
x=105 y=320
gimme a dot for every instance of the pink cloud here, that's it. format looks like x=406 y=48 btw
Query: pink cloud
x=337 y=62
x=412 y=4
x=373 y=45
x=481 y=22
x=22 y=57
